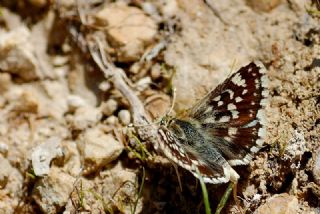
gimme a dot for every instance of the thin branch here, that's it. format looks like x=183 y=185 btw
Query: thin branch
x=146 y=130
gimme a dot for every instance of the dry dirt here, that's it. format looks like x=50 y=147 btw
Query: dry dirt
x=66 y=143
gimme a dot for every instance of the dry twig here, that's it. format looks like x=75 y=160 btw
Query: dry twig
x=146 y=130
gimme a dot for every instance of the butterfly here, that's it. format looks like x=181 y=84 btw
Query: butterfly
x=224 y=129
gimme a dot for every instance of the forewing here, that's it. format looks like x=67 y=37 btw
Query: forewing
x=233 y=115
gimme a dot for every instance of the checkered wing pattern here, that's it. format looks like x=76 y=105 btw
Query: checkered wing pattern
x=224 y=129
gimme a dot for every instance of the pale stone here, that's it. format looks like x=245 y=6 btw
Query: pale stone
x=128 y=28
x=27 y=102
x=6 y=169
x=39 y=3
x=16 y=54
x=115 y=177
x=100 y=148
x=109 y=107
x=124 y=117
x=112 y=120
x=85 y=117
x=316 y=167
x=264 y=5
x=52 y=192
x=279 y=204
x=75 y=101
x=43 y=154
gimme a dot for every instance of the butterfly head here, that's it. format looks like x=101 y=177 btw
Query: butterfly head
x=166 y=120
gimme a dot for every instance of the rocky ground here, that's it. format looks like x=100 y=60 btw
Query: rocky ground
x=67 y=137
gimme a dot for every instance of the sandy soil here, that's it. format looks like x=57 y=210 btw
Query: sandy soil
x=66 y=143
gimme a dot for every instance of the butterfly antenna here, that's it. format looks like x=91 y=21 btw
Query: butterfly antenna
x=131 y=125
x=173 y=101
x=233 y=65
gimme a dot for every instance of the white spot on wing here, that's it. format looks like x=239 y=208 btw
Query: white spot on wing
x=237 y=80
x=244 y=91
x=224 y=119
x=227 y=139
x=254 y=149
x=263 y=102
x=209 y=120
x=231 y=107
x=259 y=142
x=264 y=81
x=265 y=93
x=209 y=109
x=235 y=114
x=262 y=133
x=232 y=131
x=251 y=124
x=217 y=98
x=238 y=99
x=261 y=116
x=230 y=92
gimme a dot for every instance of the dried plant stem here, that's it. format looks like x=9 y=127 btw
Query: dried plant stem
x=146 y=130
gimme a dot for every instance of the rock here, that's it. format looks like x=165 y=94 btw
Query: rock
x=16 y=54
x=112 y=120
x=155 y=72
x=5 y=171
x=316 y=167
x=11 y=182
x=265 y=6
x=104 y=86
x=72 y=160
x=143 y=84
x=114 y=180
x=87 y=197
x=39 y=3
x=4 y=148
x=279 y=204
x=124 y=117
x=5 y=82
x=75 y=101
x=85 y=117
x=57 y=92
x=109 y=107
x=99 y=149
x=115 y=189
x=51 y=193
x=43 y=154
x=295 y=149
x=27 y=102
x=128 y=28
x=159 y=106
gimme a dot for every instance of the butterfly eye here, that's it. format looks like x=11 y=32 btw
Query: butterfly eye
x=166 y=121
x=163 y=121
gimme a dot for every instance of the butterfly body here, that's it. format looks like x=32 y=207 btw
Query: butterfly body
x=223 y=129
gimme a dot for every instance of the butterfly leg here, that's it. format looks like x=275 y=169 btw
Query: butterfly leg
x=235 y=198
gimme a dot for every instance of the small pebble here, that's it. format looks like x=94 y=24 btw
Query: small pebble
x=155 y=71
x=316 y=167
x=112 y=120
x=104 y=86
x=109 y=107
x=75 y=102
x=124 y=117
x=4 y=149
